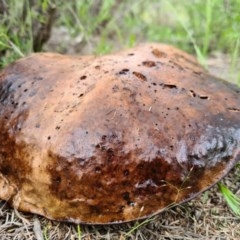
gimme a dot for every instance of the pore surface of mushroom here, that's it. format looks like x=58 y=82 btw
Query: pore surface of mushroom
x=114 y=138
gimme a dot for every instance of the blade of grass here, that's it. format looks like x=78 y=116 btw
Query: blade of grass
x=232 y=200
x=45 y=231
x=208 y=26
x=137 y=226
x=79 y=232
x=16 y=49
x=200 y=55
x=235 y=55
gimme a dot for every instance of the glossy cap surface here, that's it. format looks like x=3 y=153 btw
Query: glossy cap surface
x=115 y=138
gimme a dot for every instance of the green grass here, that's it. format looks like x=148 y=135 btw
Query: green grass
x=136 y=226
x=232 y=200
x=15 y=32
x=79 y=232
x=196 y=26
x=45 y=233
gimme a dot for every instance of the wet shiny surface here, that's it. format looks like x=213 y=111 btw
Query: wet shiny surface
x=114 y=138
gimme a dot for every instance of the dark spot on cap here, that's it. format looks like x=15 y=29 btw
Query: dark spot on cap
x=149 y=63
x=126 y=172
x=126 y=196
x=140 y=76
x=159 y=54
x=124 y=71
x=83 y=77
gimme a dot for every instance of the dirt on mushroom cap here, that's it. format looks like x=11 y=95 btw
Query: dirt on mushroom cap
x=114 y=138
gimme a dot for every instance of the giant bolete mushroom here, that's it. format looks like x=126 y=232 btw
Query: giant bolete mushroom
x=115 y=138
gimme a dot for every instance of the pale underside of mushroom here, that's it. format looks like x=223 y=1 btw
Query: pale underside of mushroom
x=115 y=138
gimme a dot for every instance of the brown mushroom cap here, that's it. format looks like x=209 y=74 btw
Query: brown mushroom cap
x=115 y=138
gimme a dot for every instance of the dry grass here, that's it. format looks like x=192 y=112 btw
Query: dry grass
x=206 y=217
